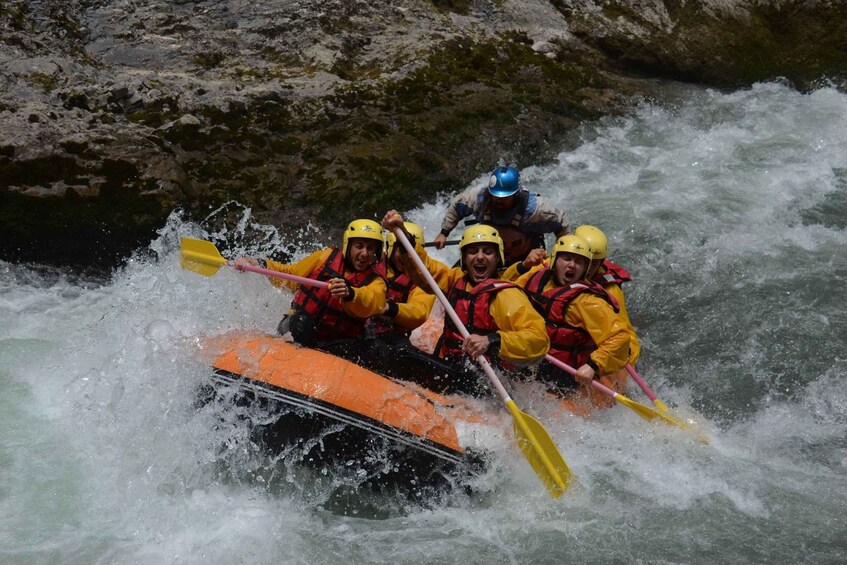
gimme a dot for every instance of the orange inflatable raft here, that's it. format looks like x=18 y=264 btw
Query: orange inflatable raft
x=340 y=413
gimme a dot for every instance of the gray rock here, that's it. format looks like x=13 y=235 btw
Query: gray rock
x=115 y=112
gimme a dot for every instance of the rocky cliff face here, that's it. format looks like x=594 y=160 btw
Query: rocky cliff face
x=114 y=113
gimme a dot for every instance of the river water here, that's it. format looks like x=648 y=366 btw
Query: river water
x=729 y=209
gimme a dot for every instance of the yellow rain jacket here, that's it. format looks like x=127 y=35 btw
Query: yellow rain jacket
x=634 y=345
x=596 y=316
x=514 y=271
x=367 y=301
x=415 y=311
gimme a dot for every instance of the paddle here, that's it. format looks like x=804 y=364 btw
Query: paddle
x=642 y=410
x=203 y=257
x=656 y=402
x=448 y=242
x=532 y=438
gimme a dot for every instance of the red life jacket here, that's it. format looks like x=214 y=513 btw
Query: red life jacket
x=499 y=218
x=613 y=274
x=568 y=344
x=399 y=288
x=331 y=321
x=472 y=307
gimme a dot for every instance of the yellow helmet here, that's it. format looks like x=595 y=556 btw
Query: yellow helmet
x=366 y=229
x=480 y=233
x=413 y=229
x=596 y=239
x=571 y=244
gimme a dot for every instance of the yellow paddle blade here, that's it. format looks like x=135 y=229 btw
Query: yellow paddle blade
x=650 y=414
x=200 y=256
x=540 y=451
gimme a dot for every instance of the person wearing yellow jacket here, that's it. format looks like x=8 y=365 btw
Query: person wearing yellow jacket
x=408 y=306
x=357 y=290
x=498 y=316
x=610 y=276
x=582 y=321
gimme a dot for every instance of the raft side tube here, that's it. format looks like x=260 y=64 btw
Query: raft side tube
x=340 y=414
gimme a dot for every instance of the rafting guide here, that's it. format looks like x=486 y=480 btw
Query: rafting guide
x=521 y=217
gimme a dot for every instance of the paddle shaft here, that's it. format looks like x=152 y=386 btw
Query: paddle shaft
x=534 y=441
x=631 y=370
x=277 y=274
x=203 y=257
x=595 y=383
x=644 y=411
x=486 y=366
x=448 y=242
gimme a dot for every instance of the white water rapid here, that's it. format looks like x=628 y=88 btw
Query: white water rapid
x=729 y=209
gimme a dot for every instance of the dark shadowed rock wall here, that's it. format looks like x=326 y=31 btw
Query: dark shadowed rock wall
x=113 y=113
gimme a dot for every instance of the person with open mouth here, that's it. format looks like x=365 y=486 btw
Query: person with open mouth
x=501 y=322
x=582 y=319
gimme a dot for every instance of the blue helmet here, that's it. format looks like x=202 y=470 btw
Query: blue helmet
x=504 y=181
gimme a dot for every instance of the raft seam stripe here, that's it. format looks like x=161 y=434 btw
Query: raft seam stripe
x=337 y=413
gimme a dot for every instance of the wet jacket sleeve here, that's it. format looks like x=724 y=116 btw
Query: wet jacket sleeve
x=523 y=280
x=606 y=328
x=634 y=345
x=523 y=334
x=368 y=300
x=546 y=218
x=513 y=273
x=302 y=268
x=462 y=206
x=415 y=311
